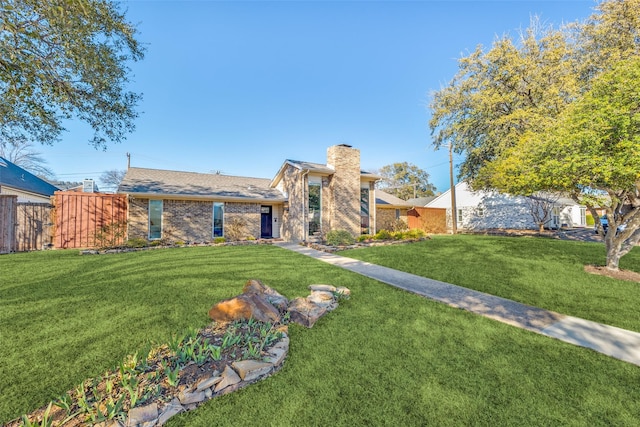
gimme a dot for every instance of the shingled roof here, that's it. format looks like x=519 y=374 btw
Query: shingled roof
x=193 y=185
x=14 y=176
x=384 y=199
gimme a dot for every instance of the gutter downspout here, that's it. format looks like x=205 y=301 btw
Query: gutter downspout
x=305 y=223
x=373 y=230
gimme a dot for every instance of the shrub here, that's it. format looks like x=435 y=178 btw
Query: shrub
x=219 y=240
x=364 y=237
x=399 y=225
x=339 y=238
x=159 y=242
x=383 y=235
x=111 y=235
x=236 y=229
x=136 y=242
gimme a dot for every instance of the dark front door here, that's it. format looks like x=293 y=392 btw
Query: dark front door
x=265 y=222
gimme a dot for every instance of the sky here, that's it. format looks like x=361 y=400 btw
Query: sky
x=240 y=86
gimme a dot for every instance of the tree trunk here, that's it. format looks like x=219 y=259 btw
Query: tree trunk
x=613 y=258
x=541 y=225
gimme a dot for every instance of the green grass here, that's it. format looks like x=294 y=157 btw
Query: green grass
x=384 y=357
x=536 y=271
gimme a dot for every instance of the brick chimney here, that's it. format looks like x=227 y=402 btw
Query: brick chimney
x=344 y=188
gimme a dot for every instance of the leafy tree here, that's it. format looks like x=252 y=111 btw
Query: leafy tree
x=556 y=111
x=22 y=153
x=112 y=178
x=62 y=59
x=405 y=180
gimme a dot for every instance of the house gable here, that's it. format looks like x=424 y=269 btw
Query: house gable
x=18 y=181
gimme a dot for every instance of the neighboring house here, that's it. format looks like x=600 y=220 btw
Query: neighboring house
x=29 y=188
x=390 y=209
x=303 y=201
x=421 y=201
x=479 y=210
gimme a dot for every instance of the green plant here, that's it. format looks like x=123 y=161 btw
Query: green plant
x=218 y=240
x=172 y=375
x=130 y=384
x=136 y=242
x=235 y=228
x=364 y=237
x=158 y=242
x=215 y=351
x=383 y=235
x=111 y=235
x=339 y=238
x=399 y=225
x=46 y=421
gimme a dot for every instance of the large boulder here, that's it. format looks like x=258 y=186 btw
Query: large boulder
x=244 y=307
x=254 y=286
x=305 y=312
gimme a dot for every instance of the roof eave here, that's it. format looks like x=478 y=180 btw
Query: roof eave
x=212 y=198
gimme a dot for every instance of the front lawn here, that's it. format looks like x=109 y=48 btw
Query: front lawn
x=384 y=357
x=541 y=272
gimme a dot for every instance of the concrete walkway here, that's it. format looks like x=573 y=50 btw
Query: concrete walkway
x=615 y=342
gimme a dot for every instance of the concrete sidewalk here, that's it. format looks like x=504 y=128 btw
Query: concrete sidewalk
x=615 y=342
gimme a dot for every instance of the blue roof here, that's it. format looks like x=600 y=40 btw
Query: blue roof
x=14 y=176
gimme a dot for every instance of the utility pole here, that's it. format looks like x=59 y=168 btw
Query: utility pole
x=128 y=160
x=454 y=211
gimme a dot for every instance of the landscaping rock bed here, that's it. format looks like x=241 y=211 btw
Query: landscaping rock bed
x=246 y=342
x=185 y=245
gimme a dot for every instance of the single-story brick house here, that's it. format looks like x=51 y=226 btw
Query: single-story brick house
x=303 y=201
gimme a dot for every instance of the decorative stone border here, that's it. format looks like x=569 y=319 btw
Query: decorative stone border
x=234 y=377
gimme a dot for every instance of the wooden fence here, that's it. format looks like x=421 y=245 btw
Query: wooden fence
x=431 y=220
x=8 y=213
x=34 y=226
x=87 y=220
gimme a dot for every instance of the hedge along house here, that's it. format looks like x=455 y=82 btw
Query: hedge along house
x=302 y=202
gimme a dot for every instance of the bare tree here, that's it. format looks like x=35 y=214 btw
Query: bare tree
x=111 y=179
x=21 y=152
x=541 y=207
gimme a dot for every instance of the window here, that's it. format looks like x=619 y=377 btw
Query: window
x=480 y=211
x=583 y=216
x=155 y=219
x=397 y=213
x=218 y=219
x=459 y=219
x=315 y=206
x=364 y=210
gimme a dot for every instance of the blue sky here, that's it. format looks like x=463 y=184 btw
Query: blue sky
x=239 y=87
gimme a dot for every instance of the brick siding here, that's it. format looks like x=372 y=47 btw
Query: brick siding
x=189 y=220
x=344 y=202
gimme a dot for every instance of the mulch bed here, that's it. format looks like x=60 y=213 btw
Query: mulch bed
x=630 y=276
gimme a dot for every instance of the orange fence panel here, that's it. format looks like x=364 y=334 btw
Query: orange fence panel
x=430 y=220
x=87 y=220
